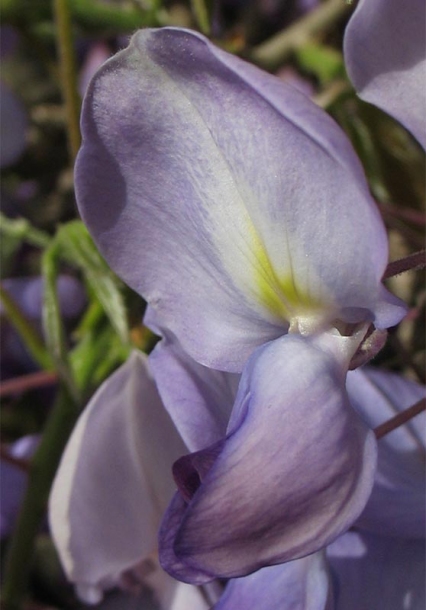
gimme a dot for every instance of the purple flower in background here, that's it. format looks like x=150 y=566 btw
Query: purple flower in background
x=239 y=210
x=28 y=294
x=13 y=480
x=13 y=116
x=385 y=54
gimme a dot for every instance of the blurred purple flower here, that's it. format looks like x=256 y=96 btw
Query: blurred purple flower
x=13 y=116
x=13 y=480
x=13 y=127
x=385 y=54
x=28 y=294
x=239 y=210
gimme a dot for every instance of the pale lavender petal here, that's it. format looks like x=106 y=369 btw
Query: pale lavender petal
x=114 y=480
x=397 y=505
x=295 y=470
x=233 y=206
x=199 y=400
x=301 y=584
x=385 y=54
x=378 y=572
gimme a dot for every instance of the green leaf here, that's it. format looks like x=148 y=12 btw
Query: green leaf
x=99 y=350
x=79 y=249
x=52 y=321
x=12 y=234
x=323 y=62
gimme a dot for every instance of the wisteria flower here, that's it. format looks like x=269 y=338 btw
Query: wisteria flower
x=239 y=210
x=385 y=54
x=109 y=495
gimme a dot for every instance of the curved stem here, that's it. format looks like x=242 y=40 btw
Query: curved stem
x=41 y=473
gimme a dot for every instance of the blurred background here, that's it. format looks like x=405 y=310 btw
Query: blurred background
x=66 y=320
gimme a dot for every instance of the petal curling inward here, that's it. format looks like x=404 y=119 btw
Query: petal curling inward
x=114 y=481
x=385 y=54
x=397 y=505
x=235 y=187
x=296 y=468
x=303 y=583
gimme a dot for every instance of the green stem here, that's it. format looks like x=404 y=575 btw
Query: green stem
x=92 y=15
x=202 y=15
x=68 y=74
x=42 y=471
x=52 y=320
x=29 y=336
x=273 y=52
x=22 y=229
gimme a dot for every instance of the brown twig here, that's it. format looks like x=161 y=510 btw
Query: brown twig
x=28 y=382
x=413 y=262
x=400 y=419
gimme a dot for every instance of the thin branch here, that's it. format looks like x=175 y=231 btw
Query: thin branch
x=414 y=262
x=68 y=74
x=24 y=383
x=273 y=52
x=400 y=419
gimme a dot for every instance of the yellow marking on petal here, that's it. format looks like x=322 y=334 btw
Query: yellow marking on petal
x=279 y=294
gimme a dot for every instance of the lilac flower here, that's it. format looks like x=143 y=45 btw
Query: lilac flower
x=239 y=210
x=385 y=53
x=113 y=485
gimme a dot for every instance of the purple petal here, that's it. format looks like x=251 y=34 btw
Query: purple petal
x=199 y=400
x=303 y=583
x=385 y=54
x=114 y=480
x=295 y=470
x=397 y=505
x=233 y=206
x=378 y=572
